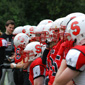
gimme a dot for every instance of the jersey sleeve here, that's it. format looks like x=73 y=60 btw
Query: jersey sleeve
x=75 y=60
x=3 y=42
x=38 y=71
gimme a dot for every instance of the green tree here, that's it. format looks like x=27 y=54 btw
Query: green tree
x=11 y=9
x=31 y=12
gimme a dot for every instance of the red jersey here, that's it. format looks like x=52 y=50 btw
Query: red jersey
x=37 y=69
x=62 y=51
x=18 y=57
x=53 y=67
x=3 y=42
x=64 y=48
x=75 y=60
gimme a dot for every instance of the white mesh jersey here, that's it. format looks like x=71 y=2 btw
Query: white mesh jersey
x=76 y=61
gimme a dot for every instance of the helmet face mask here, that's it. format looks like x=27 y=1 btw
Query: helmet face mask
x=31 y=56
x=44 y=36
x=56 y=26
x=38 y=32
x=65 y=36
x=29 y=53
x=38 y=38
x=49 y=33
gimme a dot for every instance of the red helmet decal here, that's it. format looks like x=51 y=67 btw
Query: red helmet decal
x=49 y=21
x=31 y=29
x=23 y=31
x=72 y=17
x=21 y=39
x=38 y=48
x=76 y=28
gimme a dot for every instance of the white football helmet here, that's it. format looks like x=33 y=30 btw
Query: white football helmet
x=33 y=50
x=45 y=21
x=29 y=30
x=69 y=17
x=21 y=39
x=17 y=30
x=76 y=28
x=57 y=25
x=24 y=30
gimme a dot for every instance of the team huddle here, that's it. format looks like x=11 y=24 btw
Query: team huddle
x=53 y=51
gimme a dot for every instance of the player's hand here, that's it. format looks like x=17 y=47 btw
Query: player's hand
x=13 y=65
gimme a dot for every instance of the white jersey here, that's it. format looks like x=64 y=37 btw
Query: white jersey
x=76 y=60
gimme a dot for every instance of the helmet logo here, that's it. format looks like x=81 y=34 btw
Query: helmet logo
x=23 y=31
x=49 y=21
x=31 y=29
x=38 y=48
x=76 y=28
x=21 y=39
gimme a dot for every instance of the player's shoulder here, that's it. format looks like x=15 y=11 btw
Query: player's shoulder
x=36 y=62
x=75 y=58
x=80 y=48
x=75 y=53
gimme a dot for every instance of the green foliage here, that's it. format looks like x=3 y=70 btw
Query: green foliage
x=31 y=12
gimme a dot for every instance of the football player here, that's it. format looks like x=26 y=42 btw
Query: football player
x=33 y=52
x=75 y=68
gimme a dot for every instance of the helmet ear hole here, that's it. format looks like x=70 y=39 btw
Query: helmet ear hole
x=35 y=55
x=30 y=35
x=24 y=43
x=74 y=41
x=82 y=35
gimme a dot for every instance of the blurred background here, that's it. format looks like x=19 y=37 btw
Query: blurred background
x=31 y=12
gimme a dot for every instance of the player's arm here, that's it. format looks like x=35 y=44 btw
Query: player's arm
x=39 y=81
x=39 y=75
x=61 y=69
x=20 y=65
x=67 y=75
